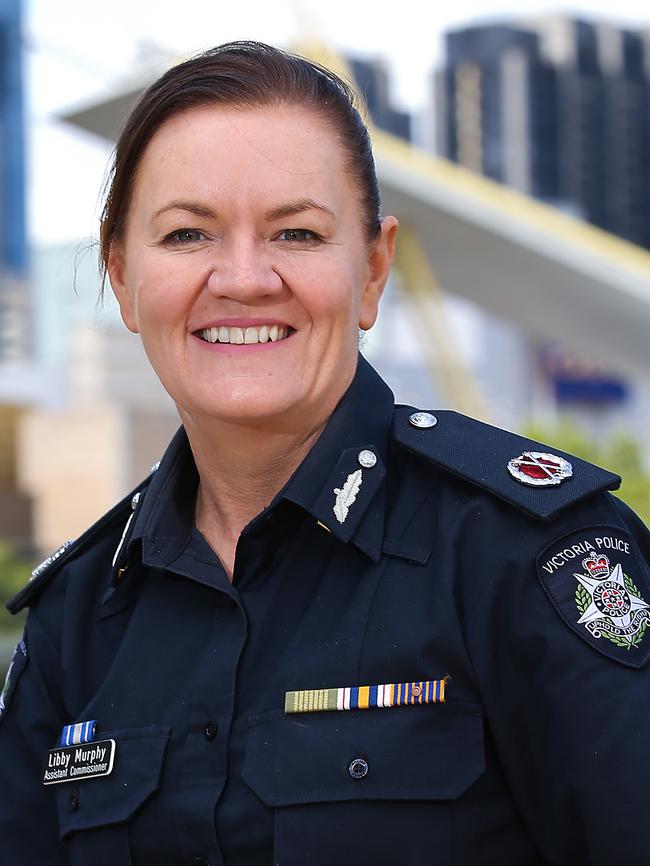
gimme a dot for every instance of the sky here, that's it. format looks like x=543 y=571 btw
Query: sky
x=77 y=51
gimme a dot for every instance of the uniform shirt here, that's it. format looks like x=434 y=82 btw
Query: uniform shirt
x=432 y=563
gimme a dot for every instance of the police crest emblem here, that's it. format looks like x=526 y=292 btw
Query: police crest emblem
x=600 y=589
x=610 y=603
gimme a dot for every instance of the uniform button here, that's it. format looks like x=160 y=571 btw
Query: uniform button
x=423 y=420
x=74 y=799
x=367 y=459
x=210 y=729
x=358 y=768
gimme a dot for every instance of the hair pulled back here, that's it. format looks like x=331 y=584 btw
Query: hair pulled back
x=248 y=75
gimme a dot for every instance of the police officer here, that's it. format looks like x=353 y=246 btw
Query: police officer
x=326 y=628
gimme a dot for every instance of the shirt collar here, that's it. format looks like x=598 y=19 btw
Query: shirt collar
x=165 y=513
x=330 y=475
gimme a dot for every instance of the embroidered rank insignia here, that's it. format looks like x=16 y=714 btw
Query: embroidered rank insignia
x=17 y=665
x=600 y=588
x=366 y=697
x=539 y=469
x=347 y=495
x=51 y=559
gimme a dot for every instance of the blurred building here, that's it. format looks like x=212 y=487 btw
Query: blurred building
x=100 y=418
x=372 y=78
x=14 y=306
x=559 y=109
x=16 y=379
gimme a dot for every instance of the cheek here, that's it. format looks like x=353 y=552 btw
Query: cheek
x=160 y=297
x=335 y=312
x=332 y=295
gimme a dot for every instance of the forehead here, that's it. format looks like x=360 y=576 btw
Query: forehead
x=242 y=155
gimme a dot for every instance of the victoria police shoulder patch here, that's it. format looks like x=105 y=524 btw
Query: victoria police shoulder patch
x=17 y=665
x=599 y=586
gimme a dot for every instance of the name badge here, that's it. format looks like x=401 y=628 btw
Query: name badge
x=75 y=763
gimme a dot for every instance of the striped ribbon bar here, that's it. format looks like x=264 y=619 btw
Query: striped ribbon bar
x=365 y=697
x=82 y=732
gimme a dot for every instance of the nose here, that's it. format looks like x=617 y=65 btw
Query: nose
x=244 y=272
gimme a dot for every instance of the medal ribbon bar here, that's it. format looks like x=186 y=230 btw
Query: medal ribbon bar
x=366 y=697
x=74 y=735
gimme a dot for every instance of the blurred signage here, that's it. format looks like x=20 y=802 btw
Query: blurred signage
x=576 y=381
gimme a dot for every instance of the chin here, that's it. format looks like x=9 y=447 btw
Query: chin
x=272 y=408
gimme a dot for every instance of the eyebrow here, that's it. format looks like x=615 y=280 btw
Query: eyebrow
x=190 y=206
x=283 y=210
x=295 y=207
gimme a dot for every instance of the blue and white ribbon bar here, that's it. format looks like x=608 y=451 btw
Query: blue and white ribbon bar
x=82 y=732
x=366 y=697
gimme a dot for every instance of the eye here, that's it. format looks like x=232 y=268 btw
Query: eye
x=299 y=236
x=184 y=236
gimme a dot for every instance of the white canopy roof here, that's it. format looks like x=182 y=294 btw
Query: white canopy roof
x=555 y=275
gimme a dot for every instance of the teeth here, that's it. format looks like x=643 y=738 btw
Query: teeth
x=248 y=336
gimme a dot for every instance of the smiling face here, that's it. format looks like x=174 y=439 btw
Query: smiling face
x=245 y=266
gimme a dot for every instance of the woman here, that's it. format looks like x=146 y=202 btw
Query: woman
x=326 y=629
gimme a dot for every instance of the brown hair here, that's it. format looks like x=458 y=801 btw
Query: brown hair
x=247 y=75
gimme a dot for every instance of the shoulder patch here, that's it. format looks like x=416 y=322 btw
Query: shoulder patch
x=599 y=586
x=482 y=454
x=43 y=573
x=17 y=665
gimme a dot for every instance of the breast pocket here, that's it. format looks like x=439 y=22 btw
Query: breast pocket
x=368 y=787
x=94 y=814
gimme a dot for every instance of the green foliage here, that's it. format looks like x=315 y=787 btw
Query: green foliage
x=14 y=574
x=621 y=454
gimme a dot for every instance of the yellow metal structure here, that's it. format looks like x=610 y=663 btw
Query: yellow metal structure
x=510 y=204
x=451 y=374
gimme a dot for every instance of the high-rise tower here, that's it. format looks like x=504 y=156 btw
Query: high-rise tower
x=14 y=300
x=558 y=108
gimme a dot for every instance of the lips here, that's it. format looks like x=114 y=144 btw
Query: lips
x=249 y=335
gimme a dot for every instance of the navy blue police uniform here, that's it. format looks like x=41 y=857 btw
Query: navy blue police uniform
x=420 y=660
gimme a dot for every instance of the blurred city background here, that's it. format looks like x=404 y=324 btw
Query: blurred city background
x=514 y=150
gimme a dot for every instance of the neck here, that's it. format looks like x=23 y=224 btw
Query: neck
x=240 y=471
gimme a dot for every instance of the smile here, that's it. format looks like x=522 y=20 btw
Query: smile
x=245 y=336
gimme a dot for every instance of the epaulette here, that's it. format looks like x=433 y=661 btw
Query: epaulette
x=44 y=573
x=538 y=479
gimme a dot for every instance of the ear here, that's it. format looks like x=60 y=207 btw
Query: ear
x=380 y=258
x=116 y=268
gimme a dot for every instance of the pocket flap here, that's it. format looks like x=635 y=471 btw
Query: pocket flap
x=411 y=753
x=112 y=799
